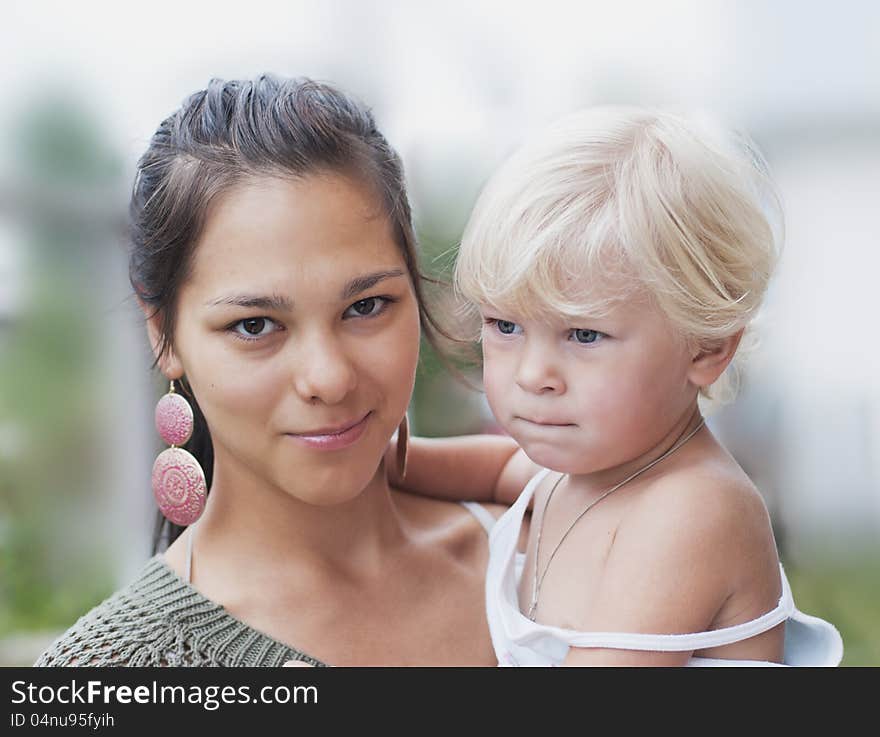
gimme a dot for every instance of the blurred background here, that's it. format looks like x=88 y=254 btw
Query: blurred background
x=455 y=86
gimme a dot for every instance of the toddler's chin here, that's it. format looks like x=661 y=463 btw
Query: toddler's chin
x=552 y=456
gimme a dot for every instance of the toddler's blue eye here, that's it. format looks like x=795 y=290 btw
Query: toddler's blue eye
x=506 y=327
x=586 y=336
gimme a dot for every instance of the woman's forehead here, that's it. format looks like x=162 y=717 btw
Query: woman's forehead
x=327 y=229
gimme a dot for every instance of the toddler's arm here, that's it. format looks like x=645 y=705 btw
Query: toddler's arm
x=482 y=468
x=693 y=554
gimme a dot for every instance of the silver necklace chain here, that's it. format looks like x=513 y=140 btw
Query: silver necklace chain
x=537 y=583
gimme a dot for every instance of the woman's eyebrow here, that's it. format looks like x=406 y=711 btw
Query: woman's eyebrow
x=272 y=302
x=362 y=283
x=284 y=304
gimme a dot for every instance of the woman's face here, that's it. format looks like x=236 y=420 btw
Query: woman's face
x=298 y=330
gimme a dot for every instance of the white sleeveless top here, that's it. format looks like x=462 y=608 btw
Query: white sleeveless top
x=809 y=641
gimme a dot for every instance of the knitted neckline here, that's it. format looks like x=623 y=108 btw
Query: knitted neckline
x=190 y=608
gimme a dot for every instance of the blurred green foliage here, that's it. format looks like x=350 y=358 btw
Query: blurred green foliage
x=846 y=592
x=49 y=407
x=58 y=143
x=445 y=400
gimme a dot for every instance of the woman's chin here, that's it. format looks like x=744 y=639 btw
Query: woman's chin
x=329 y=487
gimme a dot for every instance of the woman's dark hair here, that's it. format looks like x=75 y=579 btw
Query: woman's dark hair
x=233 y=131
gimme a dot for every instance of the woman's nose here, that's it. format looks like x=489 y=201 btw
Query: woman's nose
x=537 y=372
x=323 y=371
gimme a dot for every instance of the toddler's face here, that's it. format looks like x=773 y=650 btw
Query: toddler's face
x=585 y=395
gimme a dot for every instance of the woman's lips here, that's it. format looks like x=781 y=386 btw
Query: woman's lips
x=332 y=439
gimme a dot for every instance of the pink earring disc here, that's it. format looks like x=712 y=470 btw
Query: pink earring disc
x=174 y=419
x=179 y=486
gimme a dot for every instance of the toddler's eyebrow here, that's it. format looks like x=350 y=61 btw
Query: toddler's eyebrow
x=284 y=304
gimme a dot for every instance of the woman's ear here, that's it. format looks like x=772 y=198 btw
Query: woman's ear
x=167 y=360
x=709 y=363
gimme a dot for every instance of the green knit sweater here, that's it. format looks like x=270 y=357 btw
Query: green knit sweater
x=160 y=620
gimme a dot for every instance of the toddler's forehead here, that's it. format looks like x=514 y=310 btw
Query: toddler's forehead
x=573 y=304
x=596 y=294
x=596 y=286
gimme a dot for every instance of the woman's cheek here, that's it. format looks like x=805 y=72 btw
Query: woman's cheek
x=240 y=392
x=406 y=341
x=391 y=359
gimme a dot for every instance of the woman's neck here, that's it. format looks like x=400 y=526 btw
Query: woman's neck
x=248 y=523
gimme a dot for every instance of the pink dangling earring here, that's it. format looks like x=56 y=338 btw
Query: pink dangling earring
x=178 y=480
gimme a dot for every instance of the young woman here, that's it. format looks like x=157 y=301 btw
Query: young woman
x=274 y=259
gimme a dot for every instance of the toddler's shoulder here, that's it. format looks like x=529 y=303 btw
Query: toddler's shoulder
x=689 y=541
x=707 y=496
x=710 y=511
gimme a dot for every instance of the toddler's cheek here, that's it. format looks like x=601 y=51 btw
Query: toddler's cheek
x=499 y=402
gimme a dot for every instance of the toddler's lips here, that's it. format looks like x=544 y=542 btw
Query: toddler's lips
x=542 y=422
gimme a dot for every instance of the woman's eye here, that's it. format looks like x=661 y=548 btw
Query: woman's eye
x=586 y=336
x=369 y=307
x=254 y=327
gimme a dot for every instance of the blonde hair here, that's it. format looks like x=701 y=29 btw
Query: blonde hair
x=612 y=201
